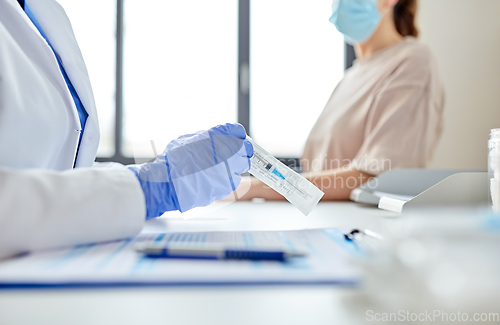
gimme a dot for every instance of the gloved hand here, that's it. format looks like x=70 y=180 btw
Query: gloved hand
x=195 y=170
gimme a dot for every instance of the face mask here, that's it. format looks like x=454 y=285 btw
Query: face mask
x=356 y=19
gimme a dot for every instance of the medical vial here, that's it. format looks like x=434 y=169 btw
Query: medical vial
x=494 y=168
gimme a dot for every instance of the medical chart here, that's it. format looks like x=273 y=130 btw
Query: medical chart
x=329 y=261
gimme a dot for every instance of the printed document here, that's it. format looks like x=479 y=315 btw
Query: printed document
x=329 y=261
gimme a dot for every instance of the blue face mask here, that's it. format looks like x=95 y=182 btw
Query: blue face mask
x=356 y=19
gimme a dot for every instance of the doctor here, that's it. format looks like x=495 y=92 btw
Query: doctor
x=50 y=194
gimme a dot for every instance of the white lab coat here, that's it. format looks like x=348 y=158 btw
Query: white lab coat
x=44 y=203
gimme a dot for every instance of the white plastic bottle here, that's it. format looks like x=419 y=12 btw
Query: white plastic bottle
x=494 y=168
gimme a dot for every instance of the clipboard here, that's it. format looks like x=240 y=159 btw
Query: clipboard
x=331 y=256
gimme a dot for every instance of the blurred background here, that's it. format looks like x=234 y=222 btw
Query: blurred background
x=164 y=68
x=464 y=35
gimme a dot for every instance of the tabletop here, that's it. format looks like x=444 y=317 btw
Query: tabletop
x=208 y=305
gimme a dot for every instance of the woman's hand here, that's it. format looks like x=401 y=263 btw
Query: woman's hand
x=256 y=189
x=336 y=183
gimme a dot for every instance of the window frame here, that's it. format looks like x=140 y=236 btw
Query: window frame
x=243 y=113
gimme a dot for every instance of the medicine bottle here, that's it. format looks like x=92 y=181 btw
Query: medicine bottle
x=494 y=168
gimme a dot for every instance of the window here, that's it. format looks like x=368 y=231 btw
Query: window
x=179 y=70
x=163 y=68
x=296 y=58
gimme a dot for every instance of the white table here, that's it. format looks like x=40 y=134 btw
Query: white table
x=206 y=305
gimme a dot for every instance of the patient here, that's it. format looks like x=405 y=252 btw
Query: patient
x=386 y=112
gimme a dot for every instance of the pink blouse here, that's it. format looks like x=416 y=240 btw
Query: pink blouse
x=386 y=113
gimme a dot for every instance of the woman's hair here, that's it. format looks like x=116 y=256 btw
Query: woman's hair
x=404 y=17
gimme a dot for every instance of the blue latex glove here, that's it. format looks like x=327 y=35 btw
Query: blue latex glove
x=195 y=170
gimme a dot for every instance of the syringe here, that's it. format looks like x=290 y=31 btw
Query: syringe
x=295 y=188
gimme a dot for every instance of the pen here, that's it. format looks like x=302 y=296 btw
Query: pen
x=352 y=234
x=213 y=253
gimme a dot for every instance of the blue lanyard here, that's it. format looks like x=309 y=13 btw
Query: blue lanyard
x=82 y=113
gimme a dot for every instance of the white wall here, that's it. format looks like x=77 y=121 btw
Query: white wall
x=465 y=37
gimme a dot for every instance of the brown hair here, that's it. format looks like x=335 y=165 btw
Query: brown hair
x=404 y=17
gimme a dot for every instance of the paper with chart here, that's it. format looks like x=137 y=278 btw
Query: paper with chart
x=117 y=263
